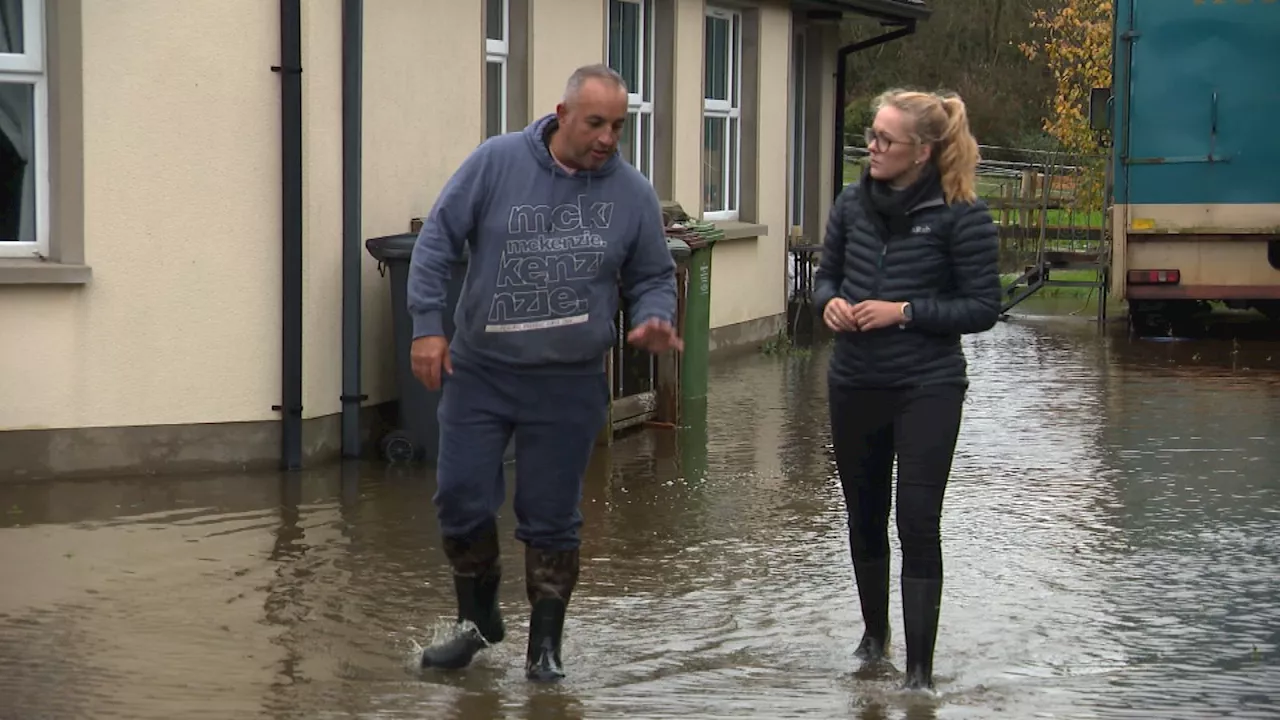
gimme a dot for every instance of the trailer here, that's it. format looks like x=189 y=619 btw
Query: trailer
x=1194 y=119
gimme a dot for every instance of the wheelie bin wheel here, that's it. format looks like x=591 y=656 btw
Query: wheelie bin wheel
x=398 y=447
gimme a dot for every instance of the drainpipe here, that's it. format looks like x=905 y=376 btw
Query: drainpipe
x=905 y=28
x=352 y=103
x=290 y=70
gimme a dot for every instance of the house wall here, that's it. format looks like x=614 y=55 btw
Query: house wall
x=181 y=217
x=179 y=330
x=170 y=356
x=749 y=274
x=422 y=116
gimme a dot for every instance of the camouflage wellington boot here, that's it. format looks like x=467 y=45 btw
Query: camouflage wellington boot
x=550 y=576
x=477 y=573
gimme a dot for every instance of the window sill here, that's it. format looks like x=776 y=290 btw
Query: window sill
x=736 y=230
x=42 y=272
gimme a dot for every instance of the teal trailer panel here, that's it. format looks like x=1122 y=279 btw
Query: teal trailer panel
x=1197 y=108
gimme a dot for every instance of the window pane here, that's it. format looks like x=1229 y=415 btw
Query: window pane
x=11 y=40
x=495 y=106
x=624 y=41
x=17 y=163
x=713 y=191
x=717 y=57
x=646 y=145
x=646 y=54
x=627 y=145
x=494 y=20
x=731 y=52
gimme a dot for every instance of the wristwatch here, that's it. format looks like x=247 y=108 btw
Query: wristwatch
x=906 y=313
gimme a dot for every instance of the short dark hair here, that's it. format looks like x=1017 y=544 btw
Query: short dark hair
x=587 y=72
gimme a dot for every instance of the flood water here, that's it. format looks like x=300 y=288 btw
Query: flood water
x=1111 y=539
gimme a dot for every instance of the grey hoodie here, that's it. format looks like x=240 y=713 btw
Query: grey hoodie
x=548 y=253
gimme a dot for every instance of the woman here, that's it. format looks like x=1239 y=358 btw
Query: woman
x=908 y=266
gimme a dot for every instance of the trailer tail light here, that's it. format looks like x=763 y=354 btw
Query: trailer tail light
x=1154 y=277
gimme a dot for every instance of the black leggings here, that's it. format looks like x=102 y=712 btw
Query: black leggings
x=919 y=425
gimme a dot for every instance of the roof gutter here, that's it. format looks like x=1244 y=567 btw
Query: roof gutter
x=906 y=26
x=890 y=11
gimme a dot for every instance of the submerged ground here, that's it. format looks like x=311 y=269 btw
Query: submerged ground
x=1111 y=539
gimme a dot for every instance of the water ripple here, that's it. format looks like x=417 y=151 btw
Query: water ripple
x=1111 y=537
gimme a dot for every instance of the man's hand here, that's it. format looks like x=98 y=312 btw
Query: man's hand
x=430 y=357
x=876 y=314
x=656 y=336
x=838 y=315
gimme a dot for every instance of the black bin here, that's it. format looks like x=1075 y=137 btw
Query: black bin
x=417 y=439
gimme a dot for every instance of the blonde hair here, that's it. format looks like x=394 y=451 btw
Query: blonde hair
x=941 y=121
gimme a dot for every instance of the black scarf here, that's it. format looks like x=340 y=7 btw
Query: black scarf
x=890 y=208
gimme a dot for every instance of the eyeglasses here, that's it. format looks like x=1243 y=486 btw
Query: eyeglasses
x=880 y=140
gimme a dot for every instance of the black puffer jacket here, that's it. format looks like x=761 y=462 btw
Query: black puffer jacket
x=909 y=246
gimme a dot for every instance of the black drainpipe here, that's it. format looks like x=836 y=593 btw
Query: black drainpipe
x=906 y=28
x=290 y=69
x=352 y=100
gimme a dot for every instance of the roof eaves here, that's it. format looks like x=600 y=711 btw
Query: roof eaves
x=889 y=10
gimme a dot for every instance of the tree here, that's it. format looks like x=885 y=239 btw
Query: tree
x=972 y=47
x=1075 y=43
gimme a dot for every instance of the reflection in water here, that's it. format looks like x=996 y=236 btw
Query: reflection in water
x=1110 y=536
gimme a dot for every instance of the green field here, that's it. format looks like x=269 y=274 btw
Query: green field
x=991 y=189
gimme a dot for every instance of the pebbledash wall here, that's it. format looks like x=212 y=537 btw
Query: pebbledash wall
x=146 y=335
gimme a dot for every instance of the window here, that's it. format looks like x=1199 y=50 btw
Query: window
x=24 y=164
x=722 y=122
x=497 y=49
x=631 y=55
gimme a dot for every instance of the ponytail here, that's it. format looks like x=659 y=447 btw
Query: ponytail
x=958 y=157
x=942 y=121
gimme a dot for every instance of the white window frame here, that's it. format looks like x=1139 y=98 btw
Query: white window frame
x=731 y=110
x=640 y=98
x=28 y=68
x=799 y=101
x=497 y=52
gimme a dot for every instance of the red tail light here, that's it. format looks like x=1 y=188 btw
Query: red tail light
x=1154 y=277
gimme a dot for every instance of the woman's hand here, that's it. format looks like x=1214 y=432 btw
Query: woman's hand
x=838 y=315
x=876 y=314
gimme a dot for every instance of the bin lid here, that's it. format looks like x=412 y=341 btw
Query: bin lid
x=679 y=249
x=400 y=247
x=392 y=247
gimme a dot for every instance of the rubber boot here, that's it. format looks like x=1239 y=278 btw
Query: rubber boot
x=477 y=574
x=550 y=577
x=873 y=593
x=921 y=601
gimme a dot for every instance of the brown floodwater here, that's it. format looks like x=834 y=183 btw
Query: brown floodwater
x=1111 y=538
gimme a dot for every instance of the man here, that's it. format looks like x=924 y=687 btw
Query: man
x=555 y=222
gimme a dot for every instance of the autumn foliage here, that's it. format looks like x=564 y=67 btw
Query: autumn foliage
x=1075 y=44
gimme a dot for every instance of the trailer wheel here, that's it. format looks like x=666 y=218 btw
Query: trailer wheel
x=1270 y=308
x=1164 y=318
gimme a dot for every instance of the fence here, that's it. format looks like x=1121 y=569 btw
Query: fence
x=1049 y=200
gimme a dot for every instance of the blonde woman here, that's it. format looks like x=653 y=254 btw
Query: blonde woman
x=909 y=266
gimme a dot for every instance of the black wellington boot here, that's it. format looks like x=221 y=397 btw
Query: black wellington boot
x=477 y=575
x=921 y=601
x=550 y=577
x=873 y=593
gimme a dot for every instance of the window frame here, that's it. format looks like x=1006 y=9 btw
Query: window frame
x=498 y=52
x=729 y=110
x=30 y=68
x=798 y=190
x=639 y=99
